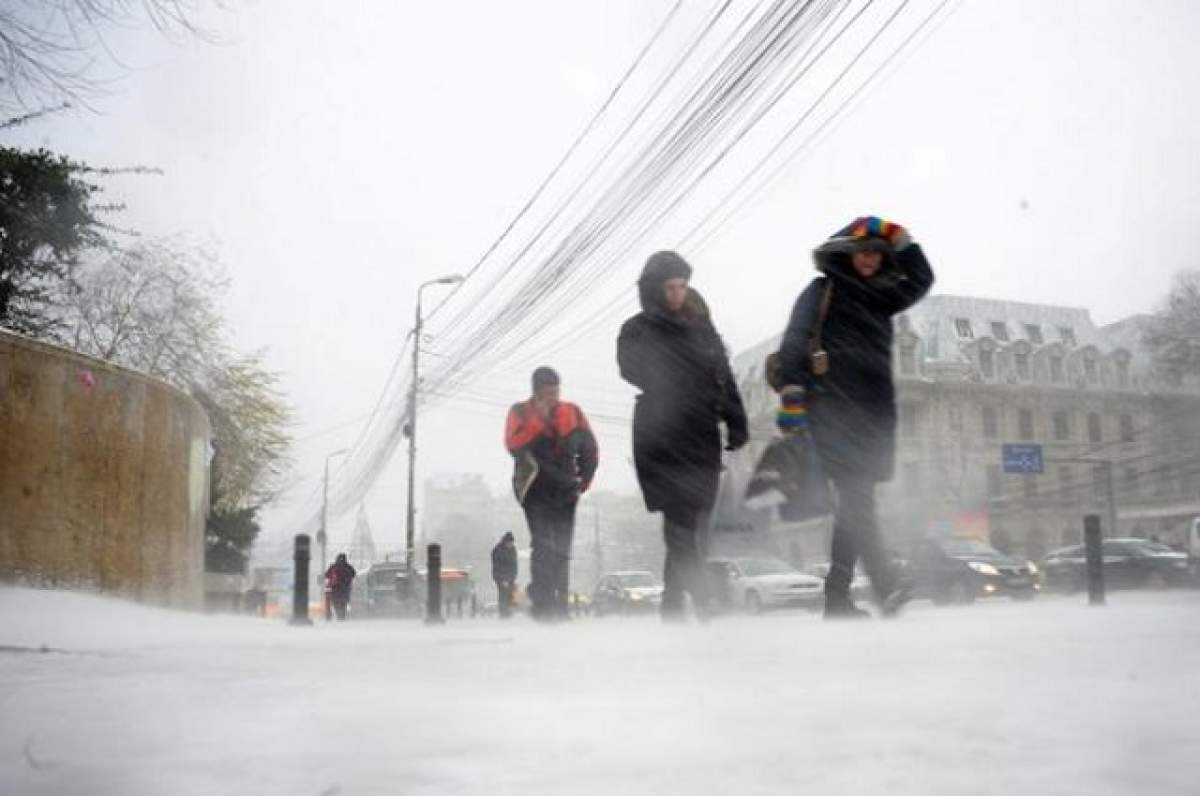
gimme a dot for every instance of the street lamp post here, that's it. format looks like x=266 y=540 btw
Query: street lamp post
x=410 y=555
x=322 y=536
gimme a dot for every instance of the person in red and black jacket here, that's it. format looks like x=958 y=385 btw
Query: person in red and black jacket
x=555 y=457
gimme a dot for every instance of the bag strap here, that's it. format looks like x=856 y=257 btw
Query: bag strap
x=814 y=344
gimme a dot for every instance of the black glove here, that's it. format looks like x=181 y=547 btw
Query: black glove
x=737 y=439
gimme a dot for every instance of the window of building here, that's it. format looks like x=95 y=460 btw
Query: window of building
x=1066 y=479
x=911 y=479
x=1029 y=485
x=1122 y=374
x=1062 y=425
x=910 y=419
x=1056 y=370
x=1034 y=333
x=995 y=486
x=1162 y=485
x=1025 y=423
x=1000 y=331
x=1089 y=370
x=1067 y=335
x=991 y=422
x=987 y=364
x=1095 y=432
x=1126 y=422
x=1131 y=479
x=1021 y=360
x=908 y=360
x=963 y=327
x=1099 y=480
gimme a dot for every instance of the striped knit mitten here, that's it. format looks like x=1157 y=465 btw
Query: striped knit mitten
x=793 y=414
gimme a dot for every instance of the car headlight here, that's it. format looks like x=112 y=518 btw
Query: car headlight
x=635 y=597
x=982 y=568
x=1033 y=568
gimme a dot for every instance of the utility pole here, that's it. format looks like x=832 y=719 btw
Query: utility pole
x=322 y=535
x=410 y=553
x=596 y=539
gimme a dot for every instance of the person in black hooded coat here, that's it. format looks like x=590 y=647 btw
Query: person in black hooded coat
x=673 y=354
x=874 y=271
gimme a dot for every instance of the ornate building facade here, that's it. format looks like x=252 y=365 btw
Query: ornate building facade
x=973 y=374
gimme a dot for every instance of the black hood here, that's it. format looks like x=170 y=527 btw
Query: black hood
x=832 y=257
x=659 y=268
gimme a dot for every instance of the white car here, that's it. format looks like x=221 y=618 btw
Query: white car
x=758 y=584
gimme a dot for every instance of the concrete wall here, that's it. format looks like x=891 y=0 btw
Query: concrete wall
x=103 y=477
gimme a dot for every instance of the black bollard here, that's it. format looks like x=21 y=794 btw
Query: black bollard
x=1095 y=559
x=433 y=578
x=300 y=586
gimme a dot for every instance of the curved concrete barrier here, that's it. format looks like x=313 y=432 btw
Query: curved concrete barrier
x=103 y=477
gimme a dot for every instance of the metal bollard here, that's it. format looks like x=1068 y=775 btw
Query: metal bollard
x=433 y=577
x=300 y=586
x=1095 y=559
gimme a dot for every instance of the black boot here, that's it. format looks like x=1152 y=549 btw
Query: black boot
x=839 y=606
x=896 y=599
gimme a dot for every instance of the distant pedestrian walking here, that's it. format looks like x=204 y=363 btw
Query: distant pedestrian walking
x=836 y=362
x=554 y=460
x=504 y=573
x=671 y=351
x=338 y=580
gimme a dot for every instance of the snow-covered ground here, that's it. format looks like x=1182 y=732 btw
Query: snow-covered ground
x=1045 y=698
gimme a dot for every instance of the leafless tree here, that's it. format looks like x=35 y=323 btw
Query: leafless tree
x=1173 y=334
x=52 y=50
x=155 y=308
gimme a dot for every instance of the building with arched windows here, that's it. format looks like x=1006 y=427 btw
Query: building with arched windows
x=973 y=374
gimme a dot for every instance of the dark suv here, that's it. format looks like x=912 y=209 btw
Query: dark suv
x=1128 y=564
x=957 y=570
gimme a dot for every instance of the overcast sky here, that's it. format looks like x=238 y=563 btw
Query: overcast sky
x=340 y=153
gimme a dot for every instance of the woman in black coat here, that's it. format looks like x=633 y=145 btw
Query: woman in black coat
x=871 y=270
x=673 y=354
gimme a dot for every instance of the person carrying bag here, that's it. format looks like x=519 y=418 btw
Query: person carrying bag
x=835 y=361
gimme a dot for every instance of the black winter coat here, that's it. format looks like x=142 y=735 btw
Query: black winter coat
x=504 y=563
x=679 y=363
x=852 y=408
x=340 y=576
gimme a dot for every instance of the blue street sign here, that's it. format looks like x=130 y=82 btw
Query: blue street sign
x=1023 y=459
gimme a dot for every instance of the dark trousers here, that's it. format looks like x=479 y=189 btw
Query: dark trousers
x=551 y=528
x=856 y=535
x=340 y=600
x=504 y=597
x=683 y=570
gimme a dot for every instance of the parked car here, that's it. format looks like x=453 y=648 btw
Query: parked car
x=1192 y=545
x=627 y=592
x=959 y=570
x=382 y=591
x=758 y=584
x=1128 y=564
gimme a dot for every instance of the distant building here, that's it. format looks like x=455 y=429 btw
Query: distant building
x=612 y=531
x=361 y=552
x=973 y=374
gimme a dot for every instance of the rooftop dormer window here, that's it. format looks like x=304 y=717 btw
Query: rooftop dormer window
x=1021 y=361
x=987 y=364
x=1000 y=331
x=1067 y=335
x=1034 y=333
x=962 y=326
